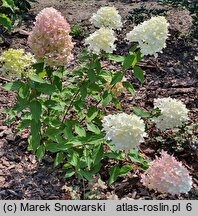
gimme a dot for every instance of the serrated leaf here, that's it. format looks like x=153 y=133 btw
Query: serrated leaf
x=116 y=78
x=139 y=74
x=60 y=156
x=129 y=87
x=12 y=86
x=36 y=110
x=141 y=113
x=93 y=128
x=113 y=174
x=92 y=113
x=40 y=152
x=116 y=58
x=128 y=61
x=5 y=21
x=46 y=88
x=124 y=170
x=69 y=173
x=106 y=98
x=9 y=4
x=86 y=174
x=36 y=78
x=80 y=131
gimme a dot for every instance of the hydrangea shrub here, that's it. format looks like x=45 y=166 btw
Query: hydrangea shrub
x=66 y=110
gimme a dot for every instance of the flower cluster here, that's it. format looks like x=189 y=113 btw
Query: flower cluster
x=151 y=35
x=173 y=113
x=16 y=62
x=167 y=175
x=125 y=131
x=102 y=39
x=117 y=89
x=50 y=40
x=107 y=17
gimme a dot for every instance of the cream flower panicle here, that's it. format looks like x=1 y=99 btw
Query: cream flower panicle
x=107 y=17
x=50 y=40
x=151 y=35
x=101 y=40
x=173 y=113
x=167 y=175
x=16 y=62
x=124 y=131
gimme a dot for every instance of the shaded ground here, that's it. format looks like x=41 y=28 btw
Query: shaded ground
x=174 y=73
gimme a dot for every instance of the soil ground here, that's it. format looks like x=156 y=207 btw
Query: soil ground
x=174 y=73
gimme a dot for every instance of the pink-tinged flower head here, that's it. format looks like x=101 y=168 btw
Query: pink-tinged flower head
x=50 y=40
x=167 y=175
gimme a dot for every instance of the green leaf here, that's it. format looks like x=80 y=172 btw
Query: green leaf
x=36 y=78
x=12 y=86
x=93 y=128
x=24 y=92
x=128 y=61
x=40 y=152
x=141 y=113
x=124 y=170
x=46 y=88
x=9 y=4
x=135 y=157
x=132 y=49
x=115 y=58
x=106 y=98
x=51 y=132
x=58 y=83
x=36 y=110
x=113 y=174
x=24 y=123
x=116 y=78
x=35 y=141
x=92 y=76
x=98 y=155
x=60 y=156
x=139 y=74
x=129 y=87
x=69 y=173
x=92 y=113
x=38 y=67
x=117 y=103
x=35 y=127
x=80 y=131
x=5 y=21
x=86 y=174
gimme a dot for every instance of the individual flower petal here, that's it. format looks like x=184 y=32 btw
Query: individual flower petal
x=167 y=175
x=151 y=35
x=125 y=131
x=102 y=39
x=50 y=40
x=107 y=17
x=173 y=113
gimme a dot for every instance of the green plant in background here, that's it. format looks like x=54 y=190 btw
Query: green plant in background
x=12 y=10
x=7 y=7
x=76 y=31
x=138 y=15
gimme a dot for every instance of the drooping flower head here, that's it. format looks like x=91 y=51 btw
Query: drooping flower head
x=16 y=62
x=173 y=113
x=151 y=35
x=124 y=131
x=107 y=17
x=167 y=175
x=50 y=40
x=102 y=39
